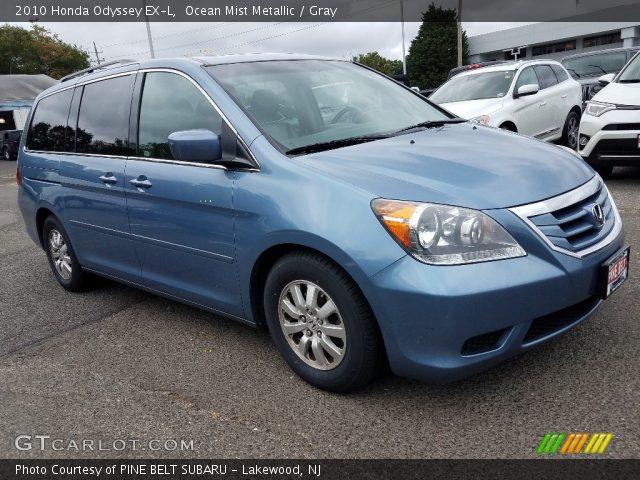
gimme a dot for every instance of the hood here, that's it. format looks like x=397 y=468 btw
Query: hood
x=458 y=164
x=619 y=93
x=474 y=108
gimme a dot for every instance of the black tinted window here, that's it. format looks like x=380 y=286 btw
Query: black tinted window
x=103 y=121
x=49 y=125
x=171 y=103
x=560 y=73
x=595 y=65
x=546 y=76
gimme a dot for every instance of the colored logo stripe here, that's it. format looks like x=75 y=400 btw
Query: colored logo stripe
x=573 y=443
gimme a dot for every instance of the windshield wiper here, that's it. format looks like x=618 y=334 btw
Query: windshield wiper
x=330 y=145
x=431 y=124
x=630 y=80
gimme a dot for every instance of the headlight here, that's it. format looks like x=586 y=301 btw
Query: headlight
x=481 y=120
x=445 y=235
x=596 y=108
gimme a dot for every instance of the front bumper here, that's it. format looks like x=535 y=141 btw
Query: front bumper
x=612 y=138
x=443 y=323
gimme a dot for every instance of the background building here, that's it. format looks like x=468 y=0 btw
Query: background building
x=552 y=40
x=17 y=93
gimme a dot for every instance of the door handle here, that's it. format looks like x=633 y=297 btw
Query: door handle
x=140 y=182
x=564 y=96
x=108 y=178
x=542 y=104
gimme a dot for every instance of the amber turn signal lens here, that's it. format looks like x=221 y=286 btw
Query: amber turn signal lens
x=396 y=216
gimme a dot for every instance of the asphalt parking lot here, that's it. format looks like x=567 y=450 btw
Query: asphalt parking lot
x=117 y=363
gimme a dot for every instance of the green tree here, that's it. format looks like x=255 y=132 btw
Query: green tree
x=379 y=63
x=38 y=51
x=434 y=51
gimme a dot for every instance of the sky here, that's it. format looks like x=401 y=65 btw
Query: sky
x=341 y=40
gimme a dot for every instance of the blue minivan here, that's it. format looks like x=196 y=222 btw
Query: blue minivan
x=362 y=224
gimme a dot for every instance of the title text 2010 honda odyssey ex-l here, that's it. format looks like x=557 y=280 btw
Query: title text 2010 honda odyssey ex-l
x=361 y=223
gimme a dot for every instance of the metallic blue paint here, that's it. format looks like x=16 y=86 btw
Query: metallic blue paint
x=196 y=234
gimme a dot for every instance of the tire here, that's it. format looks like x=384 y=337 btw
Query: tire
x=349 y=331
x=509 y=127
x=62 y=259
x=570 y=131
x=605 y=171
x=5 y=154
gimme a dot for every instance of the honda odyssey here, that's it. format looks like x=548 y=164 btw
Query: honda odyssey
x=363 y=225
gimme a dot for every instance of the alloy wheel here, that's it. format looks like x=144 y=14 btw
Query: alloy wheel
x=572 y=133
x=60 y=254
x=312 y=325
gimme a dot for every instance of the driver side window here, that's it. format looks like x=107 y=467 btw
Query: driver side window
x=527 y=77
x=171 y=103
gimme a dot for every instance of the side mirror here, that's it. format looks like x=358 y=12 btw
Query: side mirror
x=606 y=79
x=528 y=89
x=195 y=146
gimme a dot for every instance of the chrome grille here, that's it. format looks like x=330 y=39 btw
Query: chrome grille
x=574 y=227
x=569 y=222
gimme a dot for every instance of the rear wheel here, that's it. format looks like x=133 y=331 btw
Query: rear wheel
x=321 y=323
x=5 y=154
x=570 y=132
x=62 y=259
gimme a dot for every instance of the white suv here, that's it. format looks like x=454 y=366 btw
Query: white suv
x=537 y=98
x=610 y=127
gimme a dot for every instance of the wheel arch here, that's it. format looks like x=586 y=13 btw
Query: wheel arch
x=509 y=125
x=41 y=215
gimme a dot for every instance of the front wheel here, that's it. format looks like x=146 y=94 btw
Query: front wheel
x=321 y=323
x=570 y=132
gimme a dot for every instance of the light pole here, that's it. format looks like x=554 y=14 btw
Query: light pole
x=459 y=33
x=404 y=56
x=146 y=20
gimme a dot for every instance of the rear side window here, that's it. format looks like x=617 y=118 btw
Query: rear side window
x=171 y=103
x=546 y=76
x=560 y=73
x=49 y=129
x=103 y=120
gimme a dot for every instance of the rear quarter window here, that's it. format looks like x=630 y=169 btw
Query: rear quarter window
x=49 y=131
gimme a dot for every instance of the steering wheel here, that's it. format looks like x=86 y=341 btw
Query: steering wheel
x=355 y=113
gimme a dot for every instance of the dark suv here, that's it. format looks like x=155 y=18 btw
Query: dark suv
x=9 y=143
x=586 y=68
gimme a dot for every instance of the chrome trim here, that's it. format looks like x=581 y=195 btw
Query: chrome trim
x=77 y=154
x=87 y=82
x=192 y=164
x=565 y=200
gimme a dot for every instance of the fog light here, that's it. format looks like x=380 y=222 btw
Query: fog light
x=583 y=140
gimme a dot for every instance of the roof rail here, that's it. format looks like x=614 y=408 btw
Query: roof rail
x=123 y=61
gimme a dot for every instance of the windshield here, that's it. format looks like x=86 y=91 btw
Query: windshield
x=474 y=87
x=631 y=73
x=299 y=103
x=595 y=65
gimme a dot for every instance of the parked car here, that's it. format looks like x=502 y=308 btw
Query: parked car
x=610 y=127
x=586 y=68
x=386 y=231
x=472 y=66
x=536 y=98
x=464 y=68
x=9 y=143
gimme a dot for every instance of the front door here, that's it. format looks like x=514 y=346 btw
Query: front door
x=181 y=213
